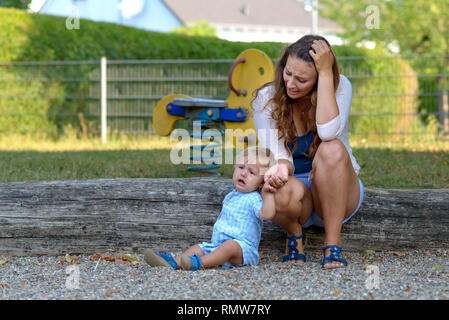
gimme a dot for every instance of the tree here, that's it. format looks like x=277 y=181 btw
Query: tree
x=20 y=4
x=415 y=26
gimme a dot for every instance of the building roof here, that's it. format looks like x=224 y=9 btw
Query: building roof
x=279 y=13
x=36 y=5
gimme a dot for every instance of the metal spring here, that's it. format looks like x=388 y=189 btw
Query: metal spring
x=207 y=154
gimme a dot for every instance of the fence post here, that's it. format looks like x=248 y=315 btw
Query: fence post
x=443 y=105
x=104 y=99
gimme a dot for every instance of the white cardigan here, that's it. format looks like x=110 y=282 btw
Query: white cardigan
x=336 y=128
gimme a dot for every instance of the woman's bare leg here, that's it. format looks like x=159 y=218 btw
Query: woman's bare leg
x=293 y=208
x=335 y=190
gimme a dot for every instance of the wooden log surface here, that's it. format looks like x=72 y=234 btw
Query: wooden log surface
x=87 y=216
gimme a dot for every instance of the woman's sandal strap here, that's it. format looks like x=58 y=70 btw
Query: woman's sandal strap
x=333 y=256
x=297 y=238
x=293 y=253
x=294 y=256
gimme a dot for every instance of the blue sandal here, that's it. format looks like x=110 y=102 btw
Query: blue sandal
x=334 y=256
x=191 y=262
x=293 y=253
x=156 y=259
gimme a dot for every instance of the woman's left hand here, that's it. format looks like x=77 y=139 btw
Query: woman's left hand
x=322 y=55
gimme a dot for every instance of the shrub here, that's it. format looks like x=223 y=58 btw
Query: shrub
x=381 y=93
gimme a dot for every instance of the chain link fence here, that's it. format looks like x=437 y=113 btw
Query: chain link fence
x=391 y=95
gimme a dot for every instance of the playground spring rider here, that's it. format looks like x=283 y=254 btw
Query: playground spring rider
x=251 y=69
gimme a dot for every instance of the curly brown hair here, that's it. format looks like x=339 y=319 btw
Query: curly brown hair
x=283 y=114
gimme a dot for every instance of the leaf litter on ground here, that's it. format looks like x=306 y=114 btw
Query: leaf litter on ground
x=122 y=258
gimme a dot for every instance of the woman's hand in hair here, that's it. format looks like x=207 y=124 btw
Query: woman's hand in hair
x=323 y=56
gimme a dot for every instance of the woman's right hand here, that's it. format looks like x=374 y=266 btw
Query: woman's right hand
x=276 y=176
x=322 y=55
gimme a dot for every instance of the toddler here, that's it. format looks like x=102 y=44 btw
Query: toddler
x=236 y=233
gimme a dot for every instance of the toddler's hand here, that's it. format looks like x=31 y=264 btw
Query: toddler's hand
x=267 y=187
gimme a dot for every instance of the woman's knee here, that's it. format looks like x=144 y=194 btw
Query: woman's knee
x=281 y=199
x=332 y=152
x=290 y=196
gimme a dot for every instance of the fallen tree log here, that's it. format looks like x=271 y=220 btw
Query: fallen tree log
x=58 y=217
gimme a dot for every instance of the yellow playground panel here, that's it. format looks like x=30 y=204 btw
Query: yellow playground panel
x=251 y=69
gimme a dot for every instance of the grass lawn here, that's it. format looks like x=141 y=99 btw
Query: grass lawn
x=420 y=164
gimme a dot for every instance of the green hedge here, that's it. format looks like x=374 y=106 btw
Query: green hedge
x=38 y=37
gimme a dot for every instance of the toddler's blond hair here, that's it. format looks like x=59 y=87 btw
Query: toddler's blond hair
x=255 y=154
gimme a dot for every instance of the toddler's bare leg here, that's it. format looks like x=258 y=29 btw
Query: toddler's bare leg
x=229 y=250
x=195 y=249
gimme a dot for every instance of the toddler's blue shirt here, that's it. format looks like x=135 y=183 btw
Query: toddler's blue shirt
x=239 y=218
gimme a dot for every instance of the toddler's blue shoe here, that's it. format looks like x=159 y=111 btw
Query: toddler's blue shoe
x=191 y=262
x=155 y=259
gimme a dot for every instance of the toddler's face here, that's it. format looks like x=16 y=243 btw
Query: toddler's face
x=247 y=177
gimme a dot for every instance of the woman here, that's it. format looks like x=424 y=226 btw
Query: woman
x=316 y=179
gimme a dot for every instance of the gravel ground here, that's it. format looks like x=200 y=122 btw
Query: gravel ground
x=416 y=274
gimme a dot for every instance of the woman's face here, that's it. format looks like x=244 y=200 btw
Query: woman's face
x=299 y=77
